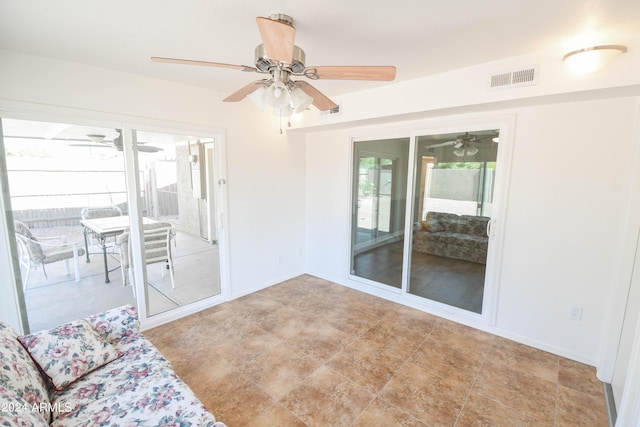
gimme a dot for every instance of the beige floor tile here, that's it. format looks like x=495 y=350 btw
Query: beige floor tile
x=580 y=377
x=380 y=413
x=522 y=358
x=347 y=320
x=400 y=332
x=318 y=340
x=235 y=400
x=246 y=344
x=453 y=352
x=580 y=409
x=201 y=369
x=327 y=398
x=364 y=363
x=481 y=411
x=276 y=416
x=519 y=390
x=433 y=400
x=279 y=370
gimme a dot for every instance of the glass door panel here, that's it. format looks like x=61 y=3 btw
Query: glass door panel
x=178 y=208
x=60 y=175
x=378 y=208
x=454 y=198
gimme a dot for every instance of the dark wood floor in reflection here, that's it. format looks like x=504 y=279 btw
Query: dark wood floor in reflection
x=449 y=281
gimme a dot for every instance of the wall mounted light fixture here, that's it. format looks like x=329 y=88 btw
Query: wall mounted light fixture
x=594 y=58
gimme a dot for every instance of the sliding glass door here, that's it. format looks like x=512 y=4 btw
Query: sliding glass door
x=378 y=212
x=454 y=199
x=179 y=235
x=447 y=214
x=59 y=175
x=77 y=191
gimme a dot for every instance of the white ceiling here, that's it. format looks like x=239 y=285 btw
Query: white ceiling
x=419 y=37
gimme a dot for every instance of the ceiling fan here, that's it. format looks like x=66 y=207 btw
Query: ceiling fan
x=102 y=141
x=464 y=144
x=280 y=59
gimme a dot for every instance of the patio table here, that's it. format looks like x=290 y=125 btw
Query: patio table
x=102 y=228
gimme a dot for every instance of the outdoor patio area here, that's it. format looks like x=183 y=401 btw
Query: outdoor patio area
x=59 y=298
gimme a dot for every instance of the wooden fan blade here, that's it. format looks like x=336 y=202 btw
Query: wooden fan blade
x=320 y=100
x=356 y=72
x=240 y=94
x=202 y=63
x=278 y=39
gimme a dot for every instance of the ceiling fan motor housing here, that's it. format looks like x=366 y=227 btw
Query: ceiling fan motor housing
x=264 y=63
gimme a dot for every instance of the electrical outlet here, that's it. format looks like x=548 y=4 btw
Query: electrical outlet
x=575 y=313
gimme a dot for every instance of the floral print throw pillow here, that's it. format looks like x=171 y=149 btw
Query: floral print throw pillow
x=68 y=352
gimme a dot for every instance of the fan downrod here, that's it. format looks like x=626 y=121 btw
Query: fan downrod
x=281 y=17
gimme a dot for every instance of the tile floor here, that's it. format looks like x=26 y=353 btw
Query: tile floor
x=308 y=352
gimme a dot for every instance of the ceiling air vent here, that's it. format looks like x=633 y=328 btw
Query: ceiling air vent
x=521 y=77
x=332 y=112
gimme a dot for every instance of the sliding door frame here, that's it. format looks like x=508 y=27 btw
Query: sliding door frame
x=38 y=112
x=506 y=125
x=147 y=320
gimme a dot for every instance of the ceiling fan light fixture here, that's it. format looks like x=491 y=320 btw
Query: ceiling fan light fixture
x=459 y=151
x=96 y=137
x=471 y=150
x=300 y=100
x=278 y=95
x=259 y=98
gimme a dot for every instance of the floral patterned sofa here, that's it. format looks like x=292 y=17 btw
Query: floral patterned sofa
x=98 y=371
x=449 y=235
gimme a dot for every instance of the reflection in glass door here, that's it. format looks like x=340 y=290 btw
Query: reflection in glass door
x=454 y=198
x=380 y=185
x=178 y=207
x=375 y=185
x=451 y=206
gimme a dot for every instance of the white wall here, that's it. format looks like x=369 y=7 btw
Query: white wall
x=470 y=87
x=570 y=183
x=265 y=179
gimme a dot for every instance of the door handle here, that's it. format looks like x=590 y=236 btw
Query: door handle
x=490 y=231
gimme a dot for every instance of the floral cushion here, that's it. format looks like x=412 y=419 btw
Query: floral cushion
x=116 y=324
x=19 y=375
x=159 y=398
x=140 y=359
x=15 y=411
x=68 y=352
x=140 y=388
